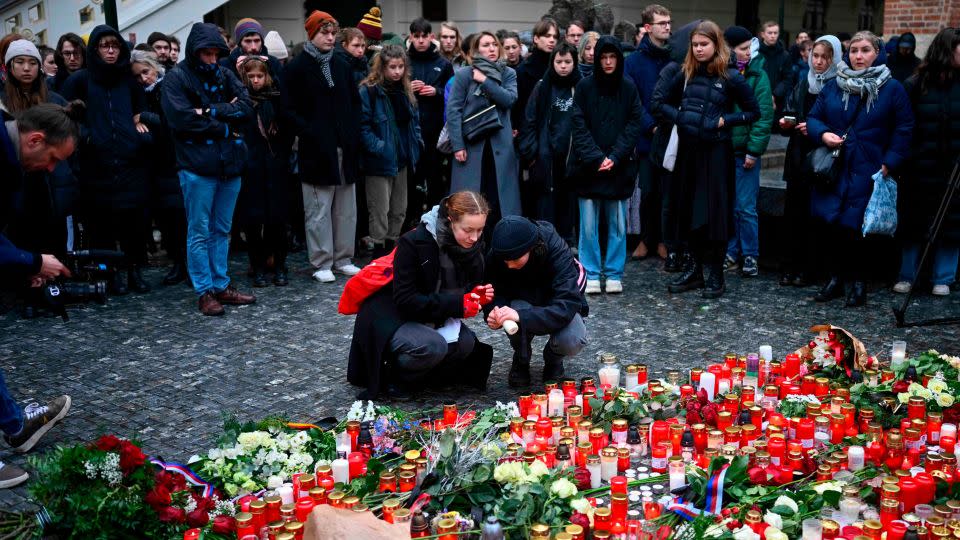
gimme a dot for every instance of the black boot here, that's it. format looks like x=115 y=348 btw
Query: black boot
x=280 y=277
x=259 y=278
x=137 y=283
x=714 y=286
x=118 y=287
x=858 y=294
x=833 y=289
x=692 y=277
x=552 y=366
x=672 y=264
x=519 y=376
x=176 y=274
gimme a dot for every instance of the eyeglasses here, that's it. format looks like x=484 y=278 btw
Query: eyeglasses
x=71 y=54
x=109 y=46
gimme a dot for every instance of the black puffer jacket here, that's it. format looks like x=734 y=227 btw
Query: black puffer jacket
x=531 y=70
x=434 y=70
x=935 y=149
x=207 y=144
x=550 y=282
x=697 y=109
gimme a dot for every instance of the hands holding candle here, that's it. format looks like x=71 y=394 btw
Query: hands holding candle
x=504 y=317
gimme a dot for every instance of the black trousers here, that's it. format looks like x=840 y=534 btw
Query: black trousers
x=799 y=228
x=651 y=203
x=705 y=250
x=264 y=240
x=106 y=228
x=668 y=214
x=429 y=181
x=172 y=223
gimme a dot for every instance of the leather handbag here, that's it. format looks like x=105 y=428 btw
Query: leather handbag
x=824 y=164
x=482 y=123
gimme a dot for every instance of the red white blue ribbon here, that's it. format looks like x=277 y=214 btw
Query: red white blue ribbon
x=714 y=501
x=684 y=510
x=191 y=477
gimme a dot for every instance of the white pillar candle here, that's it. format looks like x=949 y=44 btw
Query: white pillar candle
x=608 y=469
x=855 y=458
x=341 y=470
x=594 y=469
x=766 y=353
x=948 y=430
x=707 y=383
x=555 y=403
x=286 y=493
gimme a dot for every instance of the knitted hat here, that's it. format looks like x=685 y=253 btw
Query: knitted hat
x=275 y=45
x=157 y=36
x=513 y=237
x=370 y=24
x=735 y=35
x=316 y=21
x=247 y=26
x=22 y=47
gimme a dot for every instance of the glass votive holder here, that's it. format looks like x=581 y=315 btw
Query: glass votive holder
x=812 y=529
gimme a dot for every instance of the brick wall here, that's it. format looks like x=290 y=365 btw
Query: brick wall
x=922 y=17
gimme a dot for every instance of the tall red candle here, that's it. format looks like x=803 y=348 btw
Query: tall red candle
x=909 y=493
x=357 y=463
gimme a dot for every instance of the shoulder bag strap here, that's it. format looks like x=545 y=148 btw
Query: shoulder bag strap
x=853 y=120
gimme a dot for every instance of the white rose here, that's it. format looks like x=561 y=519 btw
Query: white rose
x=774 y=520
x=783 y=500
x=581 y=505
x=945 y=400
x=774 y=533
x=828 y=486
x=563 y=488
x=903 y=397
x=538 y=469
x=745 y=533
x=937 y=385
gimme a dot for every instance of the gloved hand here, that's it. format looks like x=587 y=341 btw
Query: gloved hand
x=471 y=305
x=482 y=294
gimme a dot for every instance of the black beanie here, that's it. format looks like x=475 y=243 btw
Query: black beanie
x=513 y=237
x=157 y=36
x=735 y=35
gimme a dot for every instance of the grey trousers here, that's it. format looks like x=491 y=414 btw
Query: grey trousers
x=568 y=341
x=330 y=219
x=420 y=349
x=387 y=205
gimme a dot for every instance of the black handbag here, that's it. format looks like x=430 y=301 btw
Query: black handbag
x=480 y=118
x=824 y=164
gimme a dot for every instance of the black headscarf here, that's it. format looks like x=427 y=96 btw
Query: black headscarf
x=607 y=84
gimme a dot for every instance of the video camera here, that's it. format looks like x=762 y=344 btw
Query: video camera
x=91 y=270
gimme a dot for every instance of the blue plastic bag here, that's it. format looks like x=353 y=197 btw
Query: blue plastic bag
x=881 y=214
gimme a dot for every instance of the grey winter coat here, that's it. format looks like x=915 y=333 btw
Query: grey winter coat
x=467 y=175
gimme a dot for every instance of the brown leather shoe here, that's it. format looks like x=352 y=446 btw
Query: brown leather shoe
x=209 y=305
x=231 y=296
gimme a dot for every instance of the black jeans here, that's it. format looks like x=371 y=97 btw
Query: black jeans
x=172 y=223
x=420 y=350
x=264 y=240
x=799 y=228
x=651 y=203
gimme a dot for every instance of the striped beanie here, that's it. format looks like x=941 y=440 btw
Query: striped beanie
x=247 y=26
x=370 y=24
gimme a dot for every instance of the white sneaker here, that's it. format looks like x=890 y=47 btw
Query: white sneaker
x=593 y=286
x=941 y=290
x=347 y=270
x=902 y=287
x=324 y=276
x=614 y=286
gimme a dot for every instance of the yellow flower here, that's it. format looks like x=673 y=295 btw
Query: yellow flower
x=945 y=400
x=538 y=469
x=937 y=385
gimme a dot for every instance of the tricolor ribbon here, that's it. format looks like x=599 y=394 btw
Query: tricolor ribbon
x=684 y=510
x=714 y=502
x=191 y=477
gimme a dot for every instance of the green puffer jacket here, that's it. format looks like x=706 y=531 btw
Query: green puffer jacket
x=753 y=138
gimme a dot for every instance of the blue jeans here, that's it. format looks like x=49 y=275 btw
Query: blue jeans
x=944 y=263
x=209 y=203
x=11 y=415
x=616 y=255
x=746 y=236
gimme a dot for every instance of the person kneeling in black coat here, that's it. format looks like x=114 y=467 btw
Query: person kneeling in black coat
x=411 y=331
x=539 y=287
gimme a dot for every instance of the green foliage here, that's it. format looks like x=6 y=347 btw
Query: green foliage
x=322 y=445
x=623 y=405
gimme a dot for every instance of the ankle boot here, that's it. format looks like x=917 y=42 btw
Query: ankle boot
x=137 y=283
x=858 y=294
x=672 y=263
x=691 y=278
x=519 y=376
x=714 y=286
x=552 y=365
x=280 y=277
x=259 y=278
x=833 y=289
x=176 y=274
x=118 y=287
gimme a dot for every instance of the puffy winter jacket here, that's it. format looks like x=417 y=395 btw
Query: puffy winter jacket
x=380 y=135
x=644 y=67
x=753 y=138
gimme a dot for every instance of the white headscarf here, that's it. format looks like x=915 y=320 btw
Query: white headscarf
x=816 y=81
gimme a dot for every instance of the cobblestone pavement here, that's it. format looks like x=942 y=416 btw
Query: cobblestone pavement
x=151 y=367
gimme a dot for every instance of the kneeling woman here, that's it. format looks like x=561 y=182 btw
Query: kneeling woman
x=411 y=329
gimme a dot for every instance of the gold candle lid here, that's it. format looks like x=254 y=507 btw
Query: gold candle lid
x=293 y=527
x=829 y=525
x=603 y=511
x=391 y=504
x=259 y=506
x=412 y=455
x=286 y=536
x=244 y=518
x=574 y=529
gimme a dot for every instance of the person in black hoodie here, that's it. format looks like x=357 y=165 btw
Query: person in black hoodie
x=351 y=46
x=113 y=177
x=698 y=97
x=904 y=62
x=538 y=285
x=777 y=64
x=607 y=122
x=545 y=139
x=70 y=57
x=429 y=73
x=205 y=107
x=534 y=67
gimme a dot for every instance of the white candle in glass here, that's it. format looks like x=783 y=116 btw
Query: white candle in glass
x=341 y=470
x=594 y=470
x=286 y=493
x=898 y=353
x=766 y=353
x=812 y=529
x=555 y=403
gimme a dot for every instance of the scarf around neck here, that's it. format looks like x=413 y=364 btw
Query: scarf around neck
x=323 y=58
x=816 y=81
x=865 y=83
x=493 y=70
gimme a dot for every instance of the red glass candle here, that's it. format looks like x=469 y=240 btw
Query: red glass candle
x=909 y=493
x=699 y=437
x=658 y=461
x=244 y=526
x=524 y=402
x=587 y=396
x=791 y=365
x=805 y=429
x=895 y=529
x=388 y=482
x=717 y=371
x=407 y=480
x=777 y=447
x=191 y=534
x=618 y=484
x=272 y=512
x=660 y=432
x=651 y=508
x=838 y=427
x=822 y=387
x=623 y=459
x=619 y=506
x=947 y=444
x=450 y=414
x=686 y=391
x=353 y=428
x=916 y=407
x=927 y=487
x=602 y=519
x=357 y=463
x=304 y=507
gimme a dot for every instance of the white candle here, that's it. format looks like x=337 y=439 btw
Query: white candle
x=341 y=470
x=510 y=327
x=948 y=430
x=766 y=353
x=724 y=386
x=594 y=469
x=555 y=403
x=855 y=458
x=632 y=381
x=677 y=480
x=707 y=383
x=608 y=469
x=286 y=493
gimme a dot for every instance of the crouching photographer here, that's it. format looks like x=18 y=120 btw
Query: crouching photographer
x=34 y=140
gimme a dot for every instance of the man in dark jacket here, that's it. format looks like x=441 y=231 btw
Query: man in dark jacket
x=607 y=122
x=429 y=73
x=643 y=67
x=534 y=66
x=778 y=66
x=160 y=43
x=248 y=34
x=903 y=61
x=205 y=105
x=113 y=175
x=539 y=288
x=324 y=107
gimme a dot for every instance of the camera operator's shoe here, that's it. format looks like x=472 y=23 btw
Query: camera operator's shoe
x=136 y=281
x=11 y=475
x=231 y=296
x=209 y=305
x=37 y=421
x=118 y=287
x=176 y=274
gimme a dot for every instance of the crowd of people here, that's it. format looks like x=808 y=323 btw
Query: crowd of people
x=484 y=166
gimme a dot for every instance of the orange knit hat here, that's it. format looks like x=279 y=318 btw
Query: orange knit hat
x=316 y=21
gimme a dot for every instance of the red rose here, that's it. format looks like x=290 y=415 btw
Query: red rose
x=172 y=514
x=224 y=525
x=582 y=478
x=702 y=396
x=693 y=417
x=951 y=415
x=158 y=497
x=900 y=386
x=107 y=443
x=693 y=405
x=580 y=519
x=203 y=503
x=198 y=518
x=130 y=457
x=758 y=476
x=709 y=414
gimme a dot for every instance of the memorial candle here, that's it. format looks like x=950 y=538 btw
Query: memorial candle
x=341 y=470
